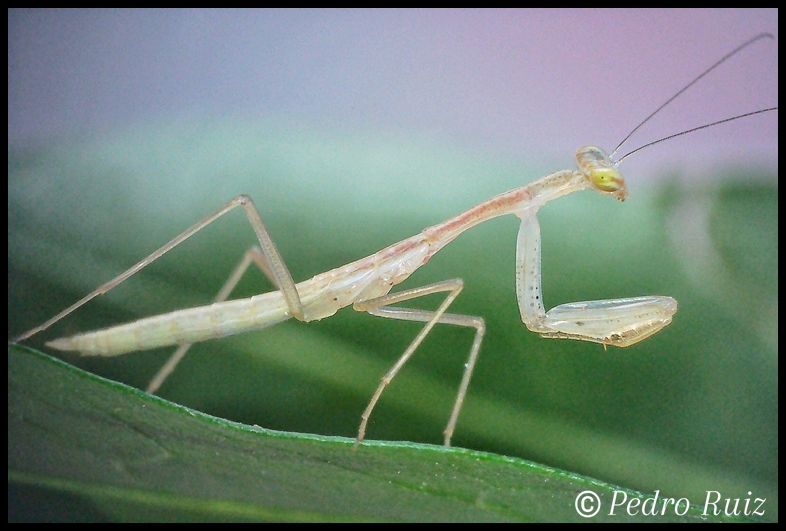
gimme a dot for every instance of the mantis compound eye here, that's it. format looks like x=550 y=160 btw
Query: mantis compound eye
x=601 y=172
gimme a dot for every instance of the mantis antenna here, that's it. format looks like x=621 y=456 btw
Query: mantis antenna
x=719 y=62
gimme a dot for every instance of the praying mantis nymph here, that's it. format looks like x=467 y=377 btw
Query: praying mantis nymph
x=366 y=283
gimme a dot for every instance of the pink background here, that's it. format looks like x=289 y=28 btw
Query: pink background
x=528 y=85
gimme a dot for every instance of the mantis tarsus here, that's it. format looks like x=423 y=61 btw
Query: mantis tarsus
x=365 y=284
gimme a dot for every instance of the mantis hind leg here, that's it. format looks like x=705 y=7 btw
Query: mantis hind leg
x=274 y=266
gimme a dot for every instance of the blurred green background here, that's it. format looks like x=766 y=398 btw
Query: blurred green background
x=691 y=409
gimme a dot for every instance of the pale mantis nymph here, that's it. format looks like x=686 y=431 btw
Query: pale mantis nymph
x=365 y=284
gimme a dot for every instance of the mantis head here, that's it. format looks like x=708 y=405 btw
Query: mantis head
x=601 y=172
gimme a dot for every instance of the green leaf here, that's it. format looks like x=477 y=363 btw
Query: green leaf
x=141 y=458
